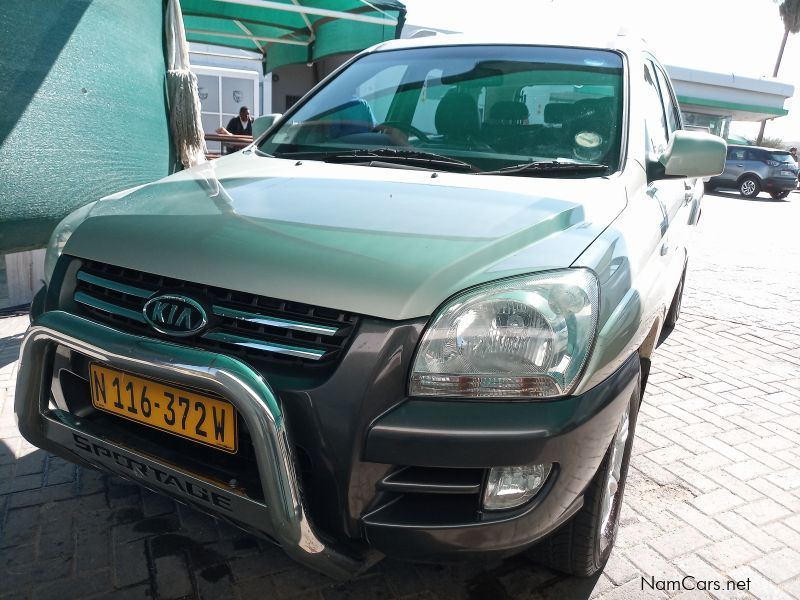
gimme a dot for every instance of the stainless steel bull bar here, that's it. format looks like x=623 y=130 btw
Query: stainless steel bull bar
x=281 y=516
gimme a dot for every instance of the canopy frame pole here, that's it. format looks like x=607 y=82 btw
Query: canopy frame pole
x=237 y=36
x=308 y=10
x=220 y=55
x=250 y=33
x=312 y=35
x=375 y=8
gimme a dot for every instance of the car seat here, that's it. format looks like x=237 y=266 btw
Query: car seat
x=506 y=130
x=457 y=119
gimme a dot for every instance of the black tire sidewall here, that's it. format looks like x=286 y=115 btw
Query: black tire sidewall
x=674 y=312
x=598 y=483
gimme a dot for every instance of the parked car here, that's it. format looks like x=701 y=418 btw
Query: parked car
x=414 y=319
x=752 y=170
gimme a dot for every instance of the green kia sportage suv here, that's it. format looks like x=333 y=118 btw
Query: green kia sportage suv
x=415 y=318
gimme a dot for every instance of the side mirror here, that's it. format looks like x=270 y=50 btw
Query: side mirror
x=264 y=122
x=690 y=154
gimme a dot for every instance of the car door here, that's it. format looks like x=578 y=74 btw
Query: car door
x=756 y=162
x=734 y=165
x=682 y=216
x=673 y=195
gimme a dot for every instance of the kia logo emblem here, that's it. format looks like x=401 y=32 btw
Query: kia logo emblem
x=175 y=315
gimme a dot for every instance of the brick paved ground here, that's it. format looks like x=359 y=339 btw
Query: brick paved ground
x=713 y=492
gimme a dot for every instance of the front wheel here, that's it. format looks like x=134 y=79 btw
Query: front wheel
x=749 y=187
x=582 y=546
x=780 y=195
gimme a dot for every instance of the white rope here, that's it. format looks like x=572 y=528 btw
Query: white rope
x=184 y=102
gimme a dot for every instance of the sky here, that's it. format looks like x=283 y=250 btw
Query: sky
x=729 y=36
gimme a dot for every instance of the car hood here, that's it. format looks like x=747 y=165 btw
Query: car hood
x=387 y=242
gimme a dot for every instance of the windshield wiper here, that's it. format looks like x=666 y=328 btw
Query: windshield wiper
x=419 y=158
x=548 y=167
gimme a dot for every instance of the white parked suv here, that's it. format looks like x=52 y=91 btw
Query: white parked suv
x=415 y=318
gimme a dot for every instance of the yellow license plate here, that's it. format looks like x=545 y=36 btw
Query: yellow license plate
x=178 y=411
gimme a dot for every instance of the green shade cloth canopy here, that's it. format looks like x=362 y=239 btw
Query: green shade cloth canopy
x=293 y=31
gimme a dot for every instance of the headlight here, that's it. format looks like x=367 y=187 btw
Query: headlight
x=60 y=236
x=526 y=337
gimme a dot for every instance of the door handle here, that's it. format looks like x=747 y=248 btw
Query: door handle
x=739 y=165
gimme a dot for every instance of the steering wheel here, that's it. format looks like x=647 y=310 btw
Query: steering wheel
x=392 y=128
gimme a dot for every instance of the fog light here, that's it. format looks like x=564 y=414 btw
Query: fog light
x=509 y=487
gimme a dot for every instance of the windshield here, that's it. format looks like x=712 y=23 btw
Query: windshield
x=489 y=106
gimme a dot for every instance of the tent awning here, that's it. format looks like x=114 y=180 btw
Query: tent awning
x=292 y=31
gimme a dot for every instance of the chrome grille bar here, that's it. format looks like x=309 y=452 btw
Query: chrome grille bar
x=245 y=342
x=260 y=319
x=108 y=307
x=114 y=285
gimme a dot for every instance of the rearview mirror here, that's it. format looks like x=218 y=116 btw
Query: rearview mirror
x=690 y=154
x=264 y=122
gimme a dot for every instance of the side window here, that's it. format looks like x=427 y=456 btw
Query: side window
x=673 y=116
x=755 y=155
x=736 y=154
x=655 y=121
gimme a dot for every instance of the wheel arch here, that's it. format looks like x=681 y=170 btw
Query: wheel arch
x=752 y=174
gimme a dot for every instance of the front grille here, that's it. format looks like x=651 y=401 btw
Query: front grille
x=255 y=328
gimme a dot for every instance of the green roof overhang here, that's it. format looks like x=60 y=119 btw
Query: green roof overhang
x=732 y=106
x=293 y=31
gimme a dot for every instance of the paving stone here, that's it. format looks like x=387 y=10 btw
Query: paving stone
x=172 y=580
x=717 y=501
x=761 y=587
x=130 y=564
x=632 y=591
x=84 y=585
x=752 y=533
x=730 y=553
x=681 y=541
x=763 y=511
x=712 y=529
x=298 y=580
x=779 y=566
x=56 y=538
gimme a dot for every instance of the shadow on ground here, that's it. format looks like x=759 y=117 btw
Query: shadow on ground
x=763 y=197
x=10 y=349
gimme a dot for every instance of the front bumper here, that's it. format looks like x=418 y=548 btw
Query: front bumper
x=366 y=442
x=278 y=514
x=572 y=433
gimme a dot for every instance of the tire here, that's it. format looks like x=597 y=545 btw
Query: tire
x=674 y=312
x=582 y=545
x=780 y=195
x=749 y=187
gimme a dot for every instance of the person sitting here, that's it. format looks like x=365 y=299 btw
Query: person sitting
x=241 y=125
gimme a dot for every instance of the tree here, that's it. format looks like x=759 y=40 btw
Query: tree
x=773 y=142
x=790 y=15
